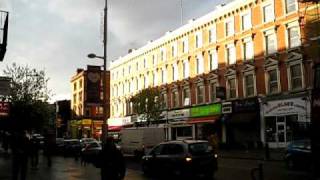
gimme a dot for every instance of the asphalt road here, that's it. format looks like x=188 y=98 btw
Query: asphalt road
x=229 y=169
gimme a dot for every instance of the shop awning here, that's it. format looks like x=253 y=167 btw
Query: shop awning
x=209 y=119
x=240 y=118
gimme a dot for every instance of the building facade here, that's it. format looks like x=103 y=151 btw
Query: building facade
x=87 y=102
x=254 y=52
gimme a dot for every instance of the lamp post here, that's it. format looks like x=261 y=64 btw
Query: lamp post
x=104 y=84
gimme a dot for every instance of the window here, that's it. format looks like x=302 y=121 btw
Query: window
x=185 y=69
x=129 y=70
x=164 y=99
x=186 y=96
x=144 y=63
x=271 y=43
x=213 y=86
x=80 y=85
x=246 y=21
x=163 y=54
x=145 y=81
x=123 y=72
x=174 y=50
x=232 y=90
x=212 y=34
x=137 y=84
x=296 y=76
x=272 y=78
x=154 y=79
x=213 y=60
x=164 y=76
x=175 y=72
x=137 y=66
x=75 y=86
x=200 y=94
x=154 y=62
x=248 y=51
x=268 y=13
x=185 y=45
x=198 y=39
x=200 y=65
x=175 y=99
x=291 y=6
x=294 y=37
x=75 y=98
x=249 y=85
x=231 y=54
x=229 y=28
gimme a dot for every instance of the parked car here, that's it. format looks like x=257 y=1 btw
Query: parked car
x=298 y=154
x=71 y=147
x=90 y=151
x=40 y=139
x=187 y=157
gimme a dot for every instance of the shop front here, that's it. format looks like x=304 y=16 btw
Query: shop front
x=242 y=124
x=286 y=120
x=97 y=129
x=205 y=121
x=85 y=129
x=115 y=125
x=177 y=127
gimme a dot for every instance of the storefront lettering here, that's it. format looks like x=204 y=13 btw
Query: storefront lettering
x=286 y=107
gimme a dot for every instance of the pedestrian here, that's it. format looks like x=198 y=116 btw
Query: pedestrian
x=20 y=145
x=34 y=152
x=214 y=142
x=112 y=162
x=49 y=141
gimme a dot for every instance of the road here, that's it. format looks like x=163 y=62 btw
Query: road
x=229 y=169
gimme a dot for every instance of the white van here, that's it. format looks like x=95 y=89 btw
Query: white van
x=137 y=141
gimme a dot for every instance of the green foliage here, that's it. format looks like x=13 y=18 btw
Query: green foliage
x=148 y=104
x=28 y=97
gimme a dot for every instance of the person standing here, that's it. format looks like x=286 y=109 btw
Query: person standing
x=112 y=162
x=49 y=142
x=20 y=144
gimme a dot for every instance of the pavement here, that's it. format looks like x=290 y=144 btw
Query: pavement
x=254 y=154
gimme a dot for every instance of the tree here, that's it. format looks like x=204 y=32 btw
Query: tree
x=148 y=104
x=29 y=97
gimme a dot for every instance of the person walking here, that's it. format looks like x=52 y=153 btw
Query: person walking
x=20 y=144
x=34 y=148
x=48 y=147
x=112 y=162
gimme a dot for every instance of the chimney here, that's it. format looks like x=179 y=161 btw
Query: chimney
x=130 y=51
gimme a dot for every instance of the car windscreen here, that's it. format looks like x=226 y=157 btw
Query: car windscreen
x=199 y=148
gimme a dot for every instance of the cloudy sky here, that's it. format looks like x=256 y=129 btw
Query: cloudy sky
x=57 y=35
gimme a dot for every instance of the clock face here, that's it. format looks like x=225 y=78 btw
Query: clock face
x=93 y=77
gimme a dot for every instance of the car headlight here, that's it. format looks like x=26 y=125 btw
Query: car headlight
x=216 y=156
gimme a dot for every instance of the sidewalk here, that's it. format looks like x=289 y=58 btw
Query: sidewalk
x=254 y=154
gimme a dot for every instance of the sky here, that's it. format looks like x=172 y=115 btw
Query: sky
x=57 y=35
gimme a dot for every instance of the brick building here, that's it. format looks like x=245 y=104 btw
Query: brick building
x=256 y=50
x=87 y=102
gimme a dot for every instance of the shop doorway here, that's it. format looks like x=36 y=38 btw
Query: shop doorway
x=279 y=130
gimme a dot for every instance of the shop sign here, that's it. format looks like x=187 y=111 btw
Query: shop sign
x=179 y=114
x=209 y=110
x=4 y=108
x=115 y=121
x=86 y=121
x=286 y=107
x=226 y=108
x=246 y=105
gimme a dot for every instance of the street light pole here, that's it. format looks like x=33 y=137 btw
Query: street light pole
x=104 y=79
x=105 y=124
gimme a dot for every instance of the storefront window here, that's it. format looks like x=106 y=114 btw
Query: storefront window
x=184 y=131
x=271 y=129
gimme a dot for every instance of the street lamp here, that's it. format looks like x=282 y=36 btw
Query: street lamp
x=104 y=84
